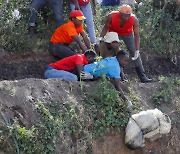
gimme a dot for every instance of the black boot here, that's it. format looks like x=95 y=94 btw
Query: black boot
x=31 y=30
x=141 y=74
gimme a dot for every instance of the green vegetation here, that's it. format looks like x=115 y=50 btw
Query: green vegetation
x=40 y=138
x=102 y=111
x=157 y=34
x=106 y=108
x=156 y=30
x=169 y=88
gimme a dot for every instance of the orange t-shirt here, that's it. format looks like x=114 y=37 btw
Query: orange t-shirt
x=64 y=33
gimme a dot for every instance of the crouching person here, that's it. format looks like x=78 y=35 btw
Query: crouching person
x=68 y=33
x=110 y=67
x=70 y=68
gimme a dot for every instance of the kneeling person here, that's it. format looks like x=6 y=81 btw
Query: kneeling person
x=110 y=67
x=70 y=68
x=68 y=33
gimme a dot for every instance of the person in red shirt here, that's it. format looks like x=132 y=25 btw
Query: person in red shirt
x=126 y=25
x=68 y=33
x=70 y=67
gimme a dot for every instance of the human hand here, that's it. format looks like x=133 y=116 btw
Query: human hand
x=129 y=104
x=85 y=75
x=136 y=55
x=99 y=40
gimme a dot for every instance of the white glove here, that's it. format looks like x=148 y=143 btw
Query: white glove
x=129 y=104
x=99 y=40
x=136 y=55
x=86 y=76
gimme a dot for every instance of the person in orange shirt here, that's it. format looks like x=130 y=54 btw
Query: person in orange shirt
x=68 y=33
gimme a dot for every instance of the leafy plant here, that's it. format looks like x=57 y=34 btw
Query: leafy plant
x=156 y=30
x=167 y=91
x=41 y=138
x=106 y=108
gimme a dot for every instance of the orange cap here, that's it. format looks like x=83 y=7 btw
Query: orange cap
x=125 y=9
x=77 y=14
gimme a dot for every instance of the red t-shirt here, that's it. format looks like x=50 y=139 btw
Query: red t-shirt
x=81 y=2
x=69 y=63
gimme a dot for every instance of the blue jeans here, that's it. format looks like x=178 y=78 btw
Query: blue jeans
x=87 y=11
x=56 y=6
x=54 y=73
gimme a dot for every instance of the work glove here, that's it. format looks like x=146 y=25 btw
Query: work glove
x=99 y=40
x=136 y=55
x=86 y=76
x=129 y=104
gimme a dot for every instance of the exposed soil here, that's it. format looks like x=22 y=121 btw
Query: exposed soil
x=32 y=65
x=16 y=98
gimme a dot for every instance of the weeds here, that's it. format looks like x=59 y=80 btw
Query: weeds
x=157 y=35
x=106 y=108
x=168 y=89
x=70 y=125
x=41 y=138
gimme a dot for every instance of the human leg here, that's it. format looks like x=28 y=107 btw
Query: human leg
x=36 y=4
x=87 y=11
x=54 y=73
x=60 y=50
x=129 y=41
x=56 y=6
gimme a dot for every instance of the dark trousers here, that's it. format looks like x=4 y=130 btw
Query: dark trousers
x=60 y=50
x=56 y=6
x=129 y=41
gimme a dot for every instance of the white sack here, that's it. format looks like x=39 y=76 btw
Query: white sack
x=134 y=137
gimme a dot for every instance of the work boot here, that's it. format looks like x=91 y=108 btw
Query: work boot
x=31 y=30
x=142 y=76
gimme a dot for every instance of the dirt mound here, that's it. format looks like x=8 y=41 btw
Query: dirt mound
x=17 y=100
x=32 y=65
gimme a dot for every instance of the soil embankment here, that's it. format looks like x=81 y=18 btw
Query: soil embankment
x=32 y=65
x=17 y=100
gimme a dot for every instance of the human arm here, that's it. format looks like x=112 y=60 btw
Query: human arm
x=77 y=39
x=79 y=69
x=117 y=85
x=106 y=26
x=86 y=39
x=136 y=34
